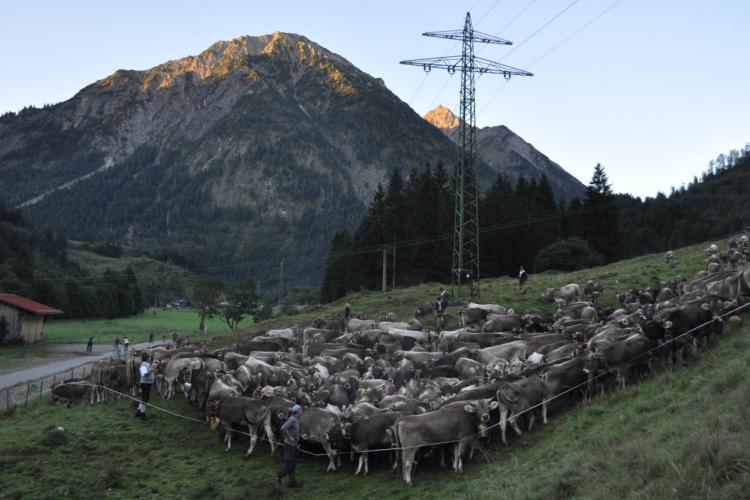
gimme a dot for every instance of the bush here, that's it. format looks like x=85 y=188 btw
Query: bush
x=569 y=254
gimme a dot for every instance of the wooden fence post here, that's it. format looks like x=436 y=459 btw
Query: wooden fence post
x=28 y=390
x=41 y=386
x=7 y=399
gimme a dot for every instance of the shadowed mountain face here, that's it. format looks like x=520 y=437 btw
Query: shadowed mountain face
x=256 y=150
x=505 y=152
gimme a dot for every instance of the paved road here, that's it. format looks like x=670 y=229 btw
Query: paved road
x=38 y=372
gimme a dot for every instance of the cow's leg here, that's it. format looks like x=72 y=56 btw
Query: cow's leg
x=503 y=423
x=395 y=461
x=228 y=437
x=532 y=417
x=360 y=464
x=367 y=459
x=407 y=462
x=514 y=422
x=544 y=411
x=459 y=451
x=253 y=431
x=331 y=457
x=269 y=432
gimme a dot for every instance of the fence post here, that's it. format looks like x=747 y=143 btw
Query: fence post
x=41 y=386
x=28 y=390
x=71 y=373
x=7 y=399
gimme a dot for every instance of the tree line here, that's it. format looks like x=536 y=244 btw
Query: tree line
x=34 y=264
x=522 y=223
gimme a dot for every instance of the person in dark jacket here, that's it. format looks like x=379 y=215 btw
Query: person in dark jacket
x=523 y=277
x=290 y=439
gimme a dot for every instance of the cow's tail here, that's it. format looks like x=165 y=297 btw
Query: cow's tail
x=395 y=442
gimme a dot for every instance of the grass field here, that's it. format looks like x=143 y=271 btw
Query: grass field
x=679 y=434
x=136 y=328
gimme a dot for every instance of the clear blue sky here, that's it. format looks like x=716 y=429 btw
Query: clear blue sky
x=653 y=89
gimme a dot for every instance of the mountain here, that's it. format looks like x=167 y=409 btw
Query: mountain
x=505 y=152
x=250 y=154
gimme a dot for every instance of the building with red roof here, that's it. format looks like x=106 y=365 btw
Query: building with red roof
x=22 y=318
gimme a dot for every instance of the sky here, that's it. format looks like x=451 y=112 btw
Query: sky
x=651 y=89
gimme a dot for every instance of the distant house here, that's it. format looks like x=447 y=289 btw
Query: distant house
x=23 y=318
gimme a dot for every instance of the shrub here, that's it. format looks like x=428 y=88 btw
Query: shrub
x=569 y=254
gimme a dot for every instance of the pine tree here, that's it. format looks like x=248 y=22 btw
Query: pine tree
x=600 y=219
x=337 y=281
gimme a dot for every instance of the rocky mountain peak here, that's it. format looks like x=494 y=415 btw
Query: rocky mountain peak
x=241 y=55
x=442 y=118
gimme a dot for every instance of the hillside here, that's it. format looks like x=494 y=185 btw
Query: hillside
x=160 y=281
x=506 y=153
x=254 y=151
x=679 y=433
x=714 y=204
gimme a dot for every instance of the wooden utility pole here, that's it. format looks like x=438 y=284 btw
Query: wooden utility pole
x=385 y=265
x=393 y=269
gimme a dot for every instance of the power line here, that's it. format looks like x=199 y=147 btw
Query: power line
x=586 y=25
x=554 y=18
x=558 y=45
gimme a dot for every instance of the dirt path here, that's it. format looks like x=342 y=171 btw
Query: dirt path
x=78 y=358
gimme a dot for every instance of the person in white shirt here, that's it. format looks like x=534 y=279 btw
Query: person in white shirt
x=147 y=380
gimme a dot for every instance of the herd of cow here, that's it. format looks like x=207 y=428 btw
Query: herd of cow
x=406 y=391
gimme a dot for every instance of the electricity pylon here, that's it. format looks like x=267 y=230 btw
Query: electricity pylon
x=465 y=271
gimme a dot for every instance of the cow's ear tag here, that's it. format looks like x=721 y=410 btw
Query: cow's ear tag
x=470 y=408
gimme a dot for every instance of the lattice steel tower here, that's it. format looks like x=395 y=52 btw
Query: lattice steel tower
x=465 y=271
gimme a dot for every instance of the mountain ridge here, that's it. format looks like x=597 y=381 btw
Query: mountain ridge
x=505 y=152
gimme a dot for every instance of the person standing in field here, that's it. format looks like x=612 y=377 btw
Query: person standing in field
x=147 y=381
x=290 y=438
x=523 y=277
x=90 y=344
x=347 y=316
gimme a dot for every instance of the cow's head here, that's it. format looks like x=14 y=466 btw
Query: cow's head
x=481 y=409
x=346 y=430
x=591 y=362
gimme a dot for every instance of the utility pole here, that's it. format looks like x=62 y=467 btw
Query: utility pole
x=385 y=265
x=465 y=272
x=393 y=269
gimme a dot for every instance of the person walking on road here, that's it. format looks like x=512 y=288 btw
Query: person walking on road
x=290 y=438
x=90 y=344
x=147 y=381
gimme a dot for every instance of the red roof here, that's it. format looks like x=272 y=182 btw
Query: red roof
x=27 y=304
